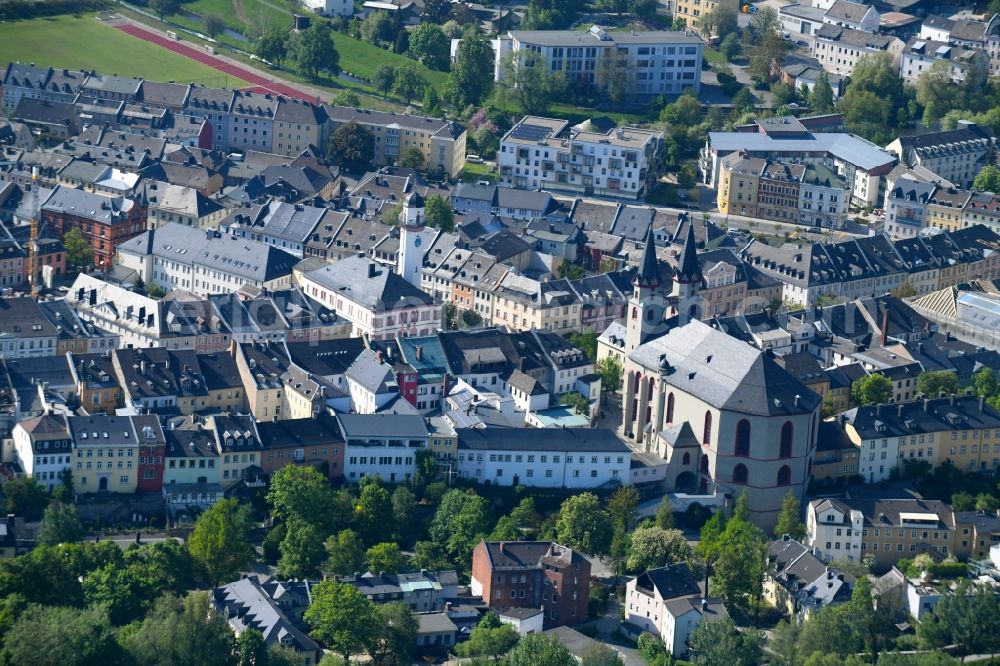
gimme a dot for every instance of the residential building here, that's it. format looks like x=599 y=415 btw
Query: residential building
x=276 y=388
x=665 y=62
x=982 y=208
x=854 y=15
x=332 y=7
x=945 y=208
x=955 y=155
x=105 y=453
x=42 y=447
x=251 y=121
x=105 y=222
x=906 y=207
x=382 y=445
x=798 y=583
x=315 y=442
x=97 y=382
x=152 y=453
x=176 y=256
x=668 y=602
x=532 y=574
x=213 y=105
x=183 y=205
x=860 y=163
x=249 y=604
x=39 y=83
x=442 y=142
x=423 y=591
x=240 y=446
x=299 y=125
x=544 y=153
x=25 y=331
x=540 y=457
x=919 y=54
x=191 y=465
x=178 y=379
x=376 y=301
x=838 y=48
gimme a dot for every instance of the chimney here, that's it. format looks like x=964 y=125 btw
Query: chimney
x=378 y=357
x=982 y=399
x=878 y=410
x=885 y=324
x=927 y=404
x=142 y=368
x=797 y=399
x=899 y=410
x=371 y=270
x=951 y=400
x=420 y=352
x=502 y=547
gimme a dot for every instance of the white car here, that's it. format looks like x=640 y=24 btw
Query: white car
x=475 y=159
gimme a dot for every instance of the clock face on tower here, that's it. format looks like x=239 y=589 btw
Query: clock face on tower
x=417 y=241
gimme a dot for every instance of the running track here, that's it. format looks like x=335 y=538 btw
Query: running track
x=262 y=84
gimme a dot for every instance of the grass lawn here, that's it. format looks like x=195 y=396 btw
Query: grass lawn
x=475 y=172
x=714 y=57
x=81 y=42
x=363 y=59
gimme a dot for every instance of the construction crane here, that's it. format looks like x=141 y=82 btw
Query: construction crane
x=33 y=240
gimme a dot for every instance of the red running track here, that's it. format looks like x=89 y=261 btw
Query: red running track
x=262 y=84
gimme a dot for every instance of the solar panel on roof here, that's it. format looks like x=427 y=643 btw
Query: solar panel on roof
x=530 y=132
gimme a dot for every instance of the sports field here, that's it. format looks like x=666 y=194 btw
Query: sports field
x=85 y=43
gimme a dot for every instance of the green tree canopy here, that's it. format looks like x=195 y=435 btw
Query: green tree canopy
x=395 y=636
x=60 y=524
x=789 y=520
x=352 y=146
x=79 y=254
x=273 y=47
x=385 y=557
x=527 y=79
x=431 y=46
x=342 y=618
x=490 y=638
x=438 y=213
x=314 y=50
x=665 y=514
x=471 y=78
x=611 y=372
x=220 y=541
x=180 y=631
x=934 y=382
x=653 y=547
x=988 y=179
x=385 y=77
x=408 y=83
x=539 y=650
x=379 y=29
x=301 y=550
x=720 y=643
x=584 y=525
x=821 y=96
x=461 y=521
x=346 y=553
x=871 y=389
x=61 y=636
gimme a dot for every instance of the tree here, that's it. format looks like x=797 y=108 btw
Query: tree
x=408 y=82
x=347 y=98
x=430 y=46
x=385 y=558
x=124 y=591
x=273 y=47
x=379 y=29
x=601 y=655
x=60 y=524
x=720 y=643
x=395 y=635
x=789 y=521
x=873 y=97
x=524 y=515
x=489 y=638
x=585 y=342
x=471 y=78
x=685 y=112
x=251 y=648
x=164 y=8
x=871 y=389
x=404 y=513
x=935 y=91
x=821 y=96
x=549 y=14
x=934 y=382
x=437 y=213
x=526 y=77
x=784 y=646
x=764 y=23
x=722 y=21
x=740 y=565
x=611 y=371
x=460 y=523
x=584 y=525
x=385 y=77
x=341 y=618
x=61 y=636
x=315 y=52
x=576 y=400
x=220 y=541
x=432 y=102
x=743 y=100
x=654 y=547
x=505 y=530
x=180 y=631
x=539 y=650
x=988 y=179
x=214 y=25
x=23 y=496
x=373 y=513
x=665 y=514
x=301 y=550
x=351 y=146
x=783 y=93
x=828 y=632
x=436 y=11
x=769 y=50
x=623 y=506
x=985 y=382
x=428 y=555
x=346 y=553
x=78 y=251
x=731 y=46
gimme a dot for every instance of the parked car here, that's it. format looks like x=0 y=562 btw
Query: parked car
x=814 y=230
x=475 y=159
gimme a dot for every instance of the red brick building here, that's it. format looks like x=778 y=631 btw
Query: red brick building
x=152 y=453
x=315 y=441
x=532 y=574
x=105 y=222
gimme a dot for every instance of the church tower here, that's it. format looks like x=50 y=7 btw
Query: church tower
x=646 y=307
x=686 y=293
x=412 y=236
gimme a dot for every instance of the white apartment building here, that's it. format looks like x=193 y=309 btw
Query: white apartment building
x=663 y=62
x=42 y=447
x=377 y=302
x=838 y=48
x=204 y=262
x=184 y=205
x=382 y=444
x=955 y=155
x=543 y=457
x=543 y=153
x=918 y=55
x=668 y=602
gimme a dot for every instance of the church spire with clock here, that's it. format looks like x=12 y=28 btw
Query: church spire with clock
x=411 y=240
